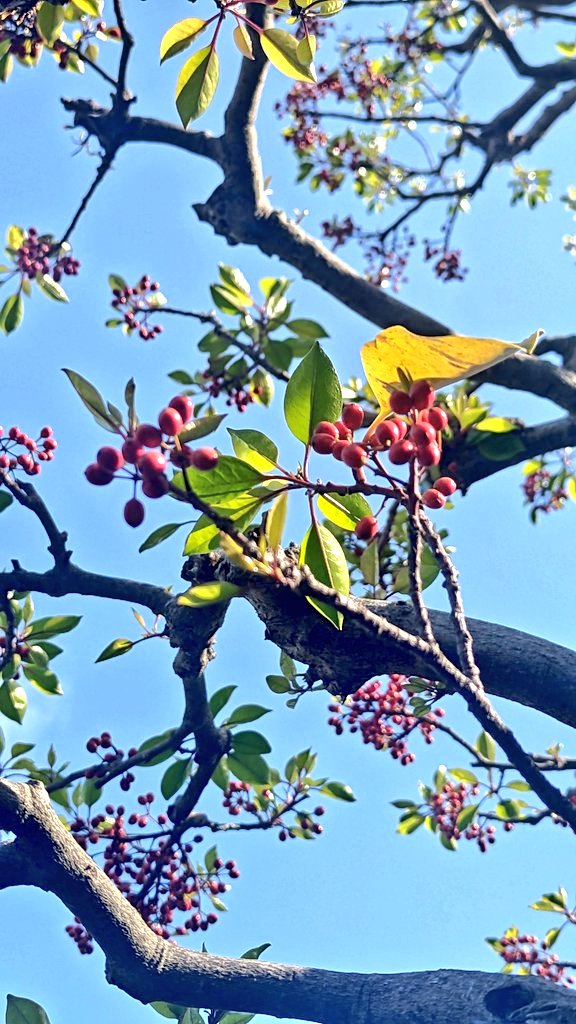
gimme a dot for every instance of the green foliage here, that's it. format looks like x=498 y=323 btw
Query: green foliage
x=313 y=394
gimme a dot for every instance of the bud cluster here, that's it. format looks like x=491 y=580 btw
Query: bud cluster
x=446 y=807
x=33 y=450
x=530 y=955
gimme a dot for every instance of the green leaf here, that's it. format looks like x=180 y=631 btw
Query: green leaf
x=209 y=593
x=249 y=768
x=466 y=817
x=276 y=521
x=159 y=535
x=313 y=394
x=201 y=427
x=509 y=810
x=344 y=510
x=49 y=21
x=115 y=649
x=18 y=749
x=409 y=824
x=520 y=785
x=197 y=84
x=24 y=1011
x=338 y=791
x=547 y=904
x=11 y=313
x=250 y=742
x=174 y=777
x=485 y=746
x=278 y=684
x=51 y=288
x=229 y=478
x=5 y=500
x=463 y=775
x=495 y=425
x=324 y=556
x=501 y=447
x=15 y=235
x=205 y=535
x=93 y=400
x=153 y=741
x=234 y=278
x=287 y=666
x=179 y=37
x=370 y=563
x=551 y=937
x=429 y=570
x=220 y=775
x=171 y=1010
x=236 y=1018
x=42 y=678
x=230 y=300
x=13 y=700
x=246 y=713
x=324 y=8
x=282 y=51
x=254 y=448
x=256 y=952
x=220 y=699
x=52 y=625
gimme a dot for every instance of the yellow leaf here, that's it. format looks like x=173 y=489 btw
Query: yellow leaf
x=282 y=51
x=396 y=352
x=179 y=37
x=243 y=42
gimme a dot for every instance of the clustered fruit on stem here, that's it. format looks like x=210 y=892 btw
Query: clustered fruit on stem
x=39 y=254
x=136 y=304
x=146 y=454
x=34 y=451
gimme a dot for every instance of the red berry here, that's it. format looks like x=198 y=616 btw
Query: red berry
x=110 y=458
x=366 y=528
x=343 y=431
x=204 y=458
x=354 y=456
x=49 y=444
x=183 y=405
x=400 y=402
x=152 y=463
x=433 y=498
x=422 y=394
x=446 y=485
x=429 y=454
x=95 y=474
x=149 y=435
x=170 y=422
x=402 y=426
x=325 y=427
x=387 y=432
x=438 y=418
x=323 y=443
x=46 y=432
x=338 y=449
x=401 y=452
x=132 y=450
x=155 y=486
x=422 y=434
x=353 y=416
x=134 y=512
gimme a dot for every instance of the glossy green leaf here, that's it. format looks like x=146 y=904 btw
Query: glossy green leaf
x=282 y=51
x=313 y=394
x=338 y=791
x=51 y=625
x=43 y=679
x=246 y=713
x=49 y=21
x=174 y=777
x=254 y=448
x=220 y=699
x=51 y=288
x=205 y=535
x=12 y=313
x=501 y=447
x=344 y=510
x=159 y=535
x=93 y=400
x=509 y=810
x=24 y=1011
x=229 y=478
x=13 y=700
x=154 y=741
x=250 y=742
x=115 y=649
x=485 y=746
x=466 y=816
x=255 y=952
x=93 y=8
x=429 y=570
x=197 y=84
x=463 y=775
x=370 y=564
x=116 y=282
x=409 y=824
x=170 y=1010
x=208 y=593
x=278 y=684
x=233 y=277
x=324 y=556
x=201 y=427
x=230 y=300
x=249 y=768
x=179 y=37
x=5 y=500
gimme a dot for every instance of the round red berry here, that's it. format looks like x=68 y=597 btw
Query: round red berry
x=429 y=454
x=366 y=528
x=400 y=402
x=353 y=416
x=325 y=427
x=152 y=463
x=149 y=435
x=204 y=458
x=155 y=486
x=422 y=434
x=132 y=450
x=422 y=395
x=110 y=458
x=134 y=512
x=183 y=405
x=354 y=456
x=438 y=418
x=95 y=474
x=170 y=422
x=323 y=443
x=446 y=485
x=387 y=432
x=401 y=452
x=338 y=449
x=432 y=498
x=343 y=431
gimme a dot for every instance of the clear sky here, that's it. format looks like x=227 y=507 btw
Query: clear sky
x=360 y=898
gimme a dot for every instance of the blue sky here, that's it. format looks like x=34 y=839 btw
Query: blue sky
x=360 y=898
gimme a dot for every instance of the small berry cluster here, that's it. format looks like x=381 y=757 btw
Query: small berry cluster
x=159 y=880
x=111 y=758
x=448 y=266
x=305 y=825
x=237 y=798
x=446 y=808
x=38 y=254
x=384 y=718
x=136 y=304
x=145 y=456
x=238 y=393
x=35 y=451
x=528 y=952
x=544 y=491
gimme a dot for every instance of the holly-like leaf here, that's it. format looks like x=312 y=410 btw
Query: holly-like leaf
x=12 y=313
x=24 y=1011
x=179 y=37
x=209 y=593
x=197 y=84
x=282 y=51
x=93 y=400
x=313 y=394
x=324 y=556
x=115 y=649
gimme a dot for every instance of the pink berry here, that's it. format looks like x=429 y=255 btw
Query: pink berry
x=354 y=456
x=422 y=434
x=155 y=486
x=387 y=432
x=323 y=443
x=446 y=485
x=438 y=418
x=400 y=402
x=366 y=528
x=95 y=474
x=432 y=498
x=170 y=422
x=325 y=427
x=134 y=512
x=204 y=458
x=353 y=416
x=183 y=405
x=132 y=450
x=152 y=463
x=149 y=435
x=110 y=458
x=429 y=454
x=401 y=452
x=343 y=431
x=422 y=394
x=338 y=449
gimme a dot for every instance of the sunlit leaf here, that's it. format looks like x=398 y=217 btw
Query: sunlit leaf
x=115 y=649
x=282 y=51
x=11 y=313
x=93 y=400
x=313 y=394
x=254 y=448
x=197 y=84
x=179 y=37
x=243 y=41
x=209 y=593
x=324 y=556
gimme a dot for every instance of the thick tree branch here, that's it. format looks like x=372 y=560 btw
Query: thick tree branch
x=149 y=968
x=535 y=441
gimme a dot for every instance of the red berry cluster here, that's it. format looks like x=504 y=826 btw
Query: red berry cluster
x=305 y=823
x=527 y=951
x=34 y=451
x=544 y=491
x=110 y=759
x=156 y=876
x=238 y=393
x=448 y=267
x=237 y=798
x=384 y=718
x=136 y=304
x=38 y=255
x=446 y=807
x=145 y=456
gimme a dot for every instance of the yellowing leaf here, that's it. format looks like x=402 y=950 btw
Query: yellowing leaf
x=282 y=51
x=179 y=37
x=196 y=84
x=396 y=352
x=209 y=593
x=276 y=520
x=243 y=42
